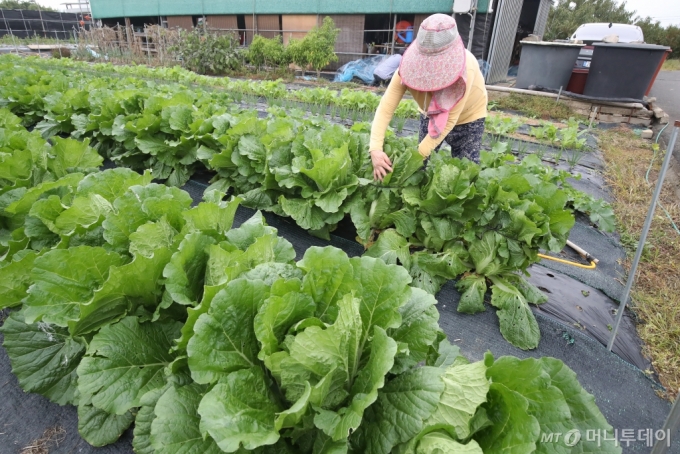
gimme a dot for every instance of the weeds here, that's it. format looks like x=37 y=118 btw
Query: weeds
x=50 y=438
x=536 y=106
x=671 y=65
x=658 y=283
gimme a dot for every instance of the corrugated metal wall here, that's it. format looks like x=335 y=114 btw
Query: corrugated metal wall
x=542 y=17
x=131 y=8
x=503 y=39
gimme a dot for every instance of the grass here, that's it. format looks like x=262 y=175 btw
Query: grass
x=537 y=107
x=656 y=290
x=671 y=65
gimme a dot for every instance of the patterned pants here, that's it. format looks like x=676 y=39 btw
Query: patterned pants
x=465 y=140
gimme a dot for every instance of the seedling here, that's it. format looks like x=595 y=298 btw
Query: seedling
x=522 y=148
x=557 y=156
x=400 y=124
x=540 y=153
x=574 y=158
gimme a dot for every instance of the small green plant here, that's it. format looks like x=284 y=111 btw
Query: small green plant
x=570 y=137
x=547 y=132
x=208 y=53
x=502 y=125
x=407 y=109
x=354 y=114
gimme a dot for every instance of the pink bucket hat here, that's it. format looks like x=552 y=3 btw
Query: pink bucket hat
x=437 y=58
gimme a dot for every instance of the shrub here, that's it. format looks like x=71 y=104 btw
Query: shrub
x=297 y=53
x=267 y=52
x=209 y=53
x=61 y=52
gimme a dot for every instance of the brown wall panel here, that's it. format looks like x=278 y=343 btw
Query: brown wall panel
x=222 y=22
x=419 y=18
x=351 y=37
x=268 y=25
x=297 y=25
x=249 y=29
x=184 y=22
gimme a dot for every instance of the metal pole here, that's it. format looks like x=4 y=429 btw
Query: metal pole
x=494 y=38
x=669 y=428
x=643 y=235
x=473 y=16
x=394 y=33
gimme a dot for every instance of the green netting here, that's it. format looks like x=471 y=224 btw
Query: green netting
x=107 y=9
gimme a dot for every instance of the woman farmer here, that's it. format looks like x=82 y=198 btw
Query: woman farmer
x=445 y=81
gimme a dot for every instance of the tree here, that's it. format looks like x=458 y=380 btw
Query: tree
x=655 y=33
x=23 y=4
x=321 y=45
x=317 y=48
x=567 y=15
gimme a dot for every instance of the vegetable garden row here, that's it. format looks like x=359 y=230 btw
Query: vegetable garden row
x=137 y=307
x=344 y=104
x=452 y=219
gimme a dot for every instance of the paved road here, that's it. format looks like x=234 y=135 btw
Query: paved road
x=666 y=89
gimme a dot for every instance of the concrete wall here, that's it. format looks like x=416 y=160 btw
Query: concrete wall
x=130 y=8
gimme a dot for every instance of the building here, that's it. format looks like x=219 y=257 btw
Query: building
x=367 y=26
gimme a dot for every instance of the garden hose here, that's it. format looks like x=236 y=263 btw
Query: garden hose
x=649 y=169
x=592 y=265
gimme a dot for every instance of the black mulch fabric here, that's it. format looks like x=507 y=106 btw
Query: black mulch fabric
x=626 y=396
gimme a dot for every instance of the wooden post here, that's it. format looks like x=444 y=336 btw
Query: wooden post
x=128 y=25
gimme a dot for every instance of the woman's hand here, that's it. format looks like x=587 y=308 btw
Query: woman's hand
x=381 y=164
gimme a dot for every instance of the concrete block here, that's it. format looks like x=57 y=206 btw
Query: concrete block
x=658 y=112
x=640 y=121
x=642 y=113
x=647 y=134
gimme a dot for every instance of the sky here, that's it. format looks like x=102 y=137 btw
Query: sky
x=665 y=11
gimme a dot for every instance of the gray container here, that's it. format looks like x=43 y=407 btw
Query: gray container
x=623 y=70
x=546 y=64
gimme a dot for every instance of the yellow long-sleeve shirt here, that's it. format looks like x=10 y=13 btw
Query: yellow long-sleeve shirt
x=472 y=107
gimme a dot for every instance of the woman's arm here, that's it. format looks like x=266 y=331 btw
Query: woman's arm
x=388 y=104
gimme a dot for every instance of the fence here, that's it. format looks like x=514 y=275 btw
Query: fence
x=360 y=35
x=41 y=24
x=152 y=44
